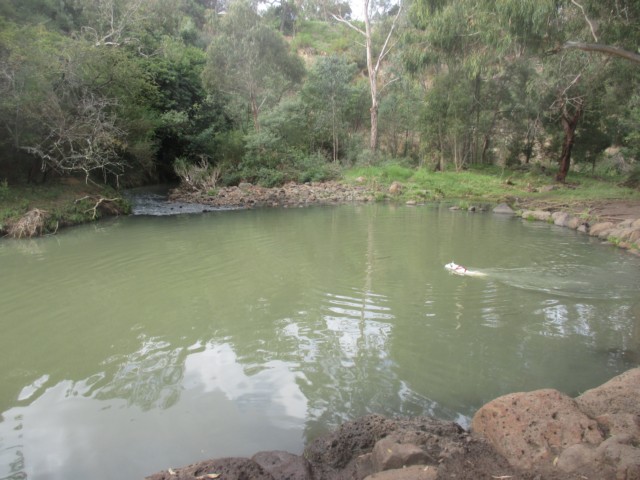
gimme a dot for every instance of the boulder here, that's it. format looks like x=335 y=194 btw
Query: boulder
x=540 y=215
x=628 y=223
x=574 y=222
x=348 y=452
x=622 y=234
x=395 y=188
x=503 y=209
x=621 y=452
x=560 y=218
x=534 y=427
x=577 y=457
x=615 y=404
x=600 y=229
x=389 y=454
x=284 y=465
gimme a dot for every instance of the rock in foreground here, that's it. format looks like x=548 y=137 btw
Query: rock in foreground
x=529 y=436
x=596 y=435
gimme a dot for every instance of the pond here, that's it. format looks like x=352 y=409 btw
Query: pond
x=147 y=342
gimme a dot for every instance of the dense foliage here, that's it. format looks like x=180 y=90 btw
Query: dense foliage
x=132 y=91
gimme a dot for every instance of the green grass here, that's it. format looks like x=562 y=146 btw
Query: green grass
x=491 y=184
x=324 y=37
x=60 y=200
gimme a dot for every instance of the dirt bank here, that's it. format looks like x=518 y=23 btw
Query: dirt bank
x=612 y=210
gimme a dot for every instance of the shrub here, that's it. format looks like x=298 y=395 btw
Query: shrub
x=197 y=177
x=633 y=179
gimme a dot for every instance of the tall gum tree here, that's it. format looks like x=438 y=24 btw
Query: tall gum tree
x=462 y=48
x=375 y=58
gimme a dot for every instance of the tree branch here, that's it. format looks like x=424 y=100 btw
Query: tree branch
x=593 y=33
x=348 y=23
x=385 y=48
x=606 y=49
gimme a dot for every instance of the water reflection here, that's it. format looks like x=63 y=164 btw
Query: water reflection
x=263 y=329
x=148 y=378
x=272 y=387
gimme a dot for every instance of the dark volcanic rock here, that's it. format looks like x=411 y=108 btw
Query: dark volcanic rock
x=283 y=465
x=225 y=468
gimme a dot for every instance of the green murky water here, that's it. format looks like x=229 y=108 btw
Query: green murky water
x=143 y=343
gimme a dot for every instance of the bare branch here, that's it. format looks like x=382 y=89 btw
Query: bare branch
x=99 y=202
x=571 y=84
x=385 y=47
x=393 y=80
x=593 y=33
x=341 y=19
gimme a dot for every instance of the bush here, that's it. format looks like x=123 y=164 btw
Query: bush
x=315 y=168
x=273 y=169
x=394 y=172
x=633 y=179
x=269 y=178
x=197 y=177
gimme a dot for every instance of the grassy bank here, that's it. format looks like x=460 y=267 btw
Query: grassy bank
x=492 y=185
x=71 y=202
x=30 y=210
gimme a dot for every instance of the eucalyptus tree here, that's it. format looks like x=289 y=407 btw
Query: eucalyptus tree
x=29 y=68
x=543 y=39
x=375 y=55
x=462 y=51
x=583 y=77
x=250 y=60
x=400 y=118
x=327 y=93
x=323 y=9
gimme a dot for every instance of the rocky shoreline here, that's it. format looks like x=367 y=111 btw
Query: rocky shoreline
x=623 y=233
x=247 y=195
x=537 y=435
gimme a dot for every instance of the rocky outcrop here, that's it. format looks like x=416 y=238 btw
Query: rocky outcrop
x=598 y=433
x=533 y=435
x=369 y=448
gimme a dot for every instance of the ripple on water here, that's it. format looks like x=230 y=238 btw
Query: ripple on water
x=274 y=325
